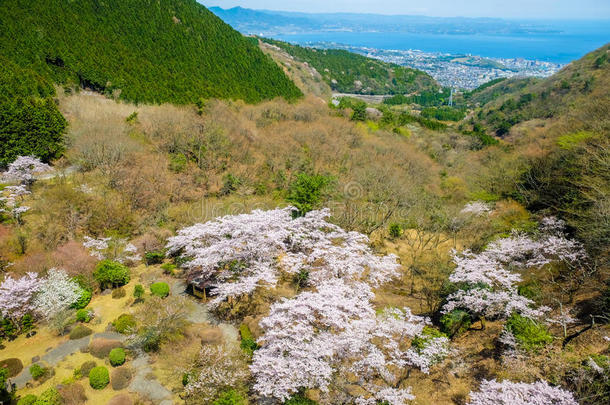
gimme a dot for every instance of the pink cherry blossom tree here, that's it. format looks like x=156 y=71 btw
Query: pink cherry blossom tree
x=22 y=170
x=312 y=338
x=509 y=393
x=328 y=330
x=238 y=254
x=492 y=276
x=117 y=249
x=11 y=201
x=17 y=296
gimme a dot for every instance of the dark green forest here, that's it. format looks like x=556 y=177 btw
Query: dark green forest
x=150 y=51
x=342 y=70
x=30 y=123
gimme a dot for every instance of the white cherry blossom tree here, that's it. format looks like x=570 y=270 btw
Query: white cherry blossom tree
x=509 y=393
x=56 y=293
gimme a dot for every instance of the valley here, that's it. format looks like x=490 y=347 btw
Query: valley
x=192 y=216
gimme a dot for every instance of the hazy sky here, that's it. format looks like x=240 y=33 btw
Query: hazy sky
x=538 y=9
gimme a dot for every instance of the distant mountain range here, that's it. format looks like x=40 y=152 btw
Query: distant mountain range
x=267 y=22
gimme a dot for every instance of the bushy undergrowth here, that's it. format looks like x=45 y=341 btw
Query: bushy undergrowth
x=38 y=372
x=528 y=333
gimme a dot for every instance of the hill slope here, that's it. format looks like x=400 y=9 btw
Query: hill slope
x=143 y=50
x=578 y=96
x=347 y=72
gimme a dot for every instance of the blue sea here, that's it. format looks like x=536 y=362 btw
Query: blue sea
x=572 y=41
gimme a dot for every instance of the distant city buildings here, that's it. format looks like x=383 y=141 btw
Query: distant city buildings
x=465 y=72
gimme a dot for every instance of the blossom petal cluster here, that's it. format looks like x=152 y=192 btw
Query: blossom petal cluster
x=433 y=352
x=11 y=200
x=329 y=329
x=22 y=170
x=492 y=277
x=240 y=253
x=112 y=248
x=17 y=295
x=55 y=293
x=220 y=368
x=509 y=393
x=476 y=208
x=310 y=338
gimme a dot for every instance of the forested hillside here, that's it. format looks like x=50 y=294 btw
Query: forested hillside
x=579 y=96
x=299 y=253
x=140 y=50
x=30 y=123
x=348 y=72
x=136 y=50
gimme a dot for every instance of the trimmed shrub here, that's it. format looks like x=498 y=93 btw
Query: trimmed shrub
x=160 y=289
x=118 y=293
x=29 y=399
x=101 y=348
x=248 y=343
x=138 y=291
x=99 y=377
x=13 y=365
x=230 y=397
x=80 y=331
x=72 y=394
x=37 y=371
x=83 y=300
x=120 y=378
x=86 y=367
x=124 y=323
x=155 y=257
x=83 y=315
x=49 y=397
x=528 y=333
x=117 y=356
x=111 y=274
x=455 y=322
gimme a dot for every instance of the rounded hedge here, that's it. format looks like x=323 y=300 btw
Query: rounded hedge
x=117 y=356
x=111 y=274
x=124 y=323
x=99 y=377
x=120 y=378
x=160 y=289
x=79 y=332
x=13 y=365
